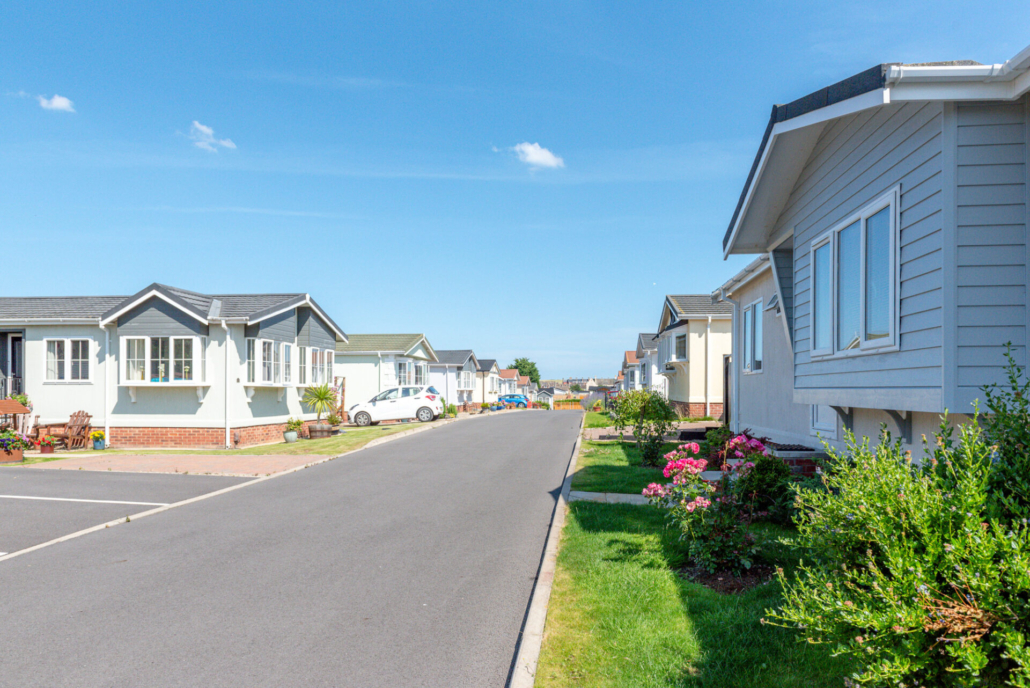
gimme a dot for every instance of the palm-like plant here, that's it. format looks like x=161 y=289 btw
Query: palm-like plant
x=320 y=399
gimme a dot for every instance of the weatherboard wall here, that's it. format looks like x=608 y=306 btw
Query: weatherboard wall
x=856 y=160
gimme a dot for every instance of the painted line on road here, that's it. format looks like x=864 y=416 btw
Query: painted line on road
x=86 y=531
x=90 y=501
x=531 y=638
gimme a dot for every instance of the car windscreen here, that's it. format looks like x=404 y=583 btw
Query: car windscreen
x=388 y=394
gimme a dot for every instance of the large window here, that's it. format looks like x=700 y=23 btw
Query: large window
x=302 y=359
x=55 y=359
x=266 y=361
x=420 y=374
x=160 y=359
x=251 y=361
x=183 y=365
x=681 y=347
x=853 y=278
x=135 y=359
x=316 y=367
x=403 y=373
x=751 y=337
x=287 y=363
x=68 y=360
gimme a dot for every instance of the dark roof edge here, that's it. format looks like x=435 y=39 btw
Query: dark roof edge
x=863 y=82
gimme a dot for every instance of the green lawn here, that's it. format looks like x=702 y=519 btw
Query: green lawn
x=597 y=419
x=353 y=438
x=620 y=616
x=614 y=467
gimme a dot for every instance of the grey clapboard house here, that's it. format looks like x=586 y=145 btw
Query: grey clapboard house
x=169 y=367
x=891 y=208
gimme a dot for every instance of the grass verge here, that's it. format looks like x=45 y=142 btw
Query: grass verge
x=620 y=616
x=354 y=438
x=614 y=467
x=598 y=419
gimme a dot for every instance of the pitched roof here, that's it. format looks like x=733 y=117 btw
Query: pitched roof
x=393 y=343
x=647 y=341
x=248 y=307
x=453 y=356
x=692 y=305
x=523 y=380
x=630 y=358
x=485 y=364
x=510 y=373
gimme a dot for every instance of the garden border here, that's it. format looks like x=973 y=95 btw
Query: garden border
x=531 y=637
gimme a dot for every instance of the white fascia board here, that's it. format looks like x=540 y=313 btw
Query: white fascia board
x=325 y=318
x=429 y=346
x=146 y=297
x=906 y=91
x=845 y=107
x=26 y=322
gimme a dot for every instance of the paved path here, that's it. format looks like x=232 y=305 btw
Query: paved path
x=205 y=464
x=407 y=564
x=607 y=497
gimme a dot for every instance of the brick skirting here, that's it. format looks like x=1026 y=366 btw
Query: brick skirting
x=696 y=409
x=196 y=438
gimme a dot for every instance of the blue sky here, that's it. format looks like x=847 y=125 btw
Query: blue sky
x=522 y=180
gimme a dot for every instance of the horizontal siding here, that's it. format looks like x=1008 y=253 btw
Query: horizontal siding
x=279 y=328
x=157 y=318
x=857 y=160
x=784 y=256
x=991 y=235
x=312 y=331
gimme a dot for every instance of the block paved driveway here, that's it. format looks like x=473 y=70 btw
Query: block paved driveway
x=408 y=564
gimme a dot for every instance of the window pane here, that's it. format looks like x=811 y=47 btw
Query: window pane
x=756 y=355
x=277 y=364
x=266 y=361
x=821 y=313
x=251 y=363
x=159 y=359
x=302 y=359
x=747 y=338
x=877 y=275
x=849 y=286
x=182 y=368
x=55 y=360
x=287 y=363
x=135 y=359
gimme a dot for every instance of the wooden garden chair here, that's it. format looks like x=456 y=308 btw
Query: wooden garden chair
x=72 y=434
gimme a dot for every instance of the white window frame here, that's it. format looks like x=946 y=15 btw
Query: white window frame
x=675 y=347
x=822 y=430
x=890 y=342
x=287 y=358
x=302 y=365
x=66 y=360
x=252 y=361
x=267 y=363
x=125 y=358
x=198 y=361
x=329 y=356
x=748 y=366
x=316 y=366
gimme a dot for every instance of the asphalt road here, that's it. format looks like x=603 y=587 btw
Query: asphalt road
x=27 y=520
x=408 y=564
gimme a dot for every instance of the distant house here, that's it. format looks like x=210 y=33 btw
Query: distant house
x=892 y=210
x=454 y=375
x=166 y=366
x=630 y=371
x=523 y=385
x=546 y=395
x=647 y=356
x=370 y=363
x=488 y=381
x=694 y=338
x=509 y=381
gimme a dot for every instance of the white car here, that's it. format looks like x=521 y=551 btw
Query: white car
x=399 y=403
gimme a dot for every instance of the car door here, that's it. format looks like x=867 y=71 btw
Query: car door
x=410 y=401
x=384 y=406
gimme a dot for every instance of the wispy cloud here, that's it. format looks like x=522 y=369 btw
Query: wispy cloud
x=535 y=155
x=56 y=103
x=204 y=137
x=323 y=80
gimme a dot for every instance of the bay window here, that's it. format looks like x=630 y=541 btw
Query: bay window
x=163 y=360
x=266 y=361
x=751 y=336
x=277 y=363
x=159 y=359
x=287 y=363
x=853 y=282
x=251 y=361
x=183 y=364
x=681 y=347
x=135 y=359
x=302 y=359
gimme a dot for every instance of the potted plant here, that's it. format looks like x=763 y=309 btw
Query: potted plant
x=321 y=400
x=485 y=406
x=334 y=421
x=46 y=444
x=293 y=426
x=98 y=438
x=13 y=446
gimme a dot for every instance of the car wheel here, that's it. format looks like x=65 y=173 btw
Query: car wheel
x=363 y=419
x=521 y=405
x=424 y=414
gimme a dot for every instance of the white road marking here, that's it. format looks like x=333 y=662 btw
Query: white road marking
x=91 y=501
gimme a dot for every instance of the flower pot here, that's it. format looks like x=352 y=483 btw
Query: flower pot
x=11 y=456
x=336 y=429
x=317 y=431
x=290 y=436
x=98 y=444
x=46 y=449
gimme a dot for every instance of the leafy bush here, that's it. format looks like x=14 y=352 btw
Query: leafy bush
x=294 y=424
x=716 y=531
x=544 y=405
x=1007 y=426
x=911 y=575
x=484 y=405
x=452 y=410
x=651 y=417
x=765 y=486
x=332 y=419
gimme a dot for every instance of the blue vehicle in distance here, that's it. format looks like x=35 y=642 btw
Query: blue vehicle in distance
x=519 y=400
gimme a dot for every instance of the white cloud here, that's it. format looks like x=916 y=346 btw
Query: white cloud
x=204 y=137
x=56 y=103
x=535 y=155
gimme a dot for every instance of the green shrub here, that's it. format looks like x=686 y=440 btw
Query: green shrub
x=651 y=417
x=294 y=425
x=1007 y=426
x=544 y=405
x=715 y=440
x=452 y=410
x=910 y=575
x=765 y=487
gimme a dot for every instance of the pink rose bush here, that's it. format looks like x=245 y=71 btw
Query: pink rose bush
x=713 y=527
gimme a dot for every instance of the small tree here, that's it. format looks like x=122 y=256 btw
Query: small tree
x=320 y=399
x=651 y=417
x=576 y=388
x=528 y=368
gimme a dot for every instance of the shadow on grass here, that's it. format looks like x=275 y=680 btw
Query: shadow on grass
x=726 y=645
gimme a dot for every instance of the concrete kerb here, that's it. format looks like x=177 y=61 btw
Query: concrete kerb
x=532 y=636
x=158 y=510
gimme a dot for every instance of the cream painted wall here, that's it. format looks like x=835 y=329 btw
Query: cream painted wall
x=720 y=343
x=54 y=402
x=362 y=373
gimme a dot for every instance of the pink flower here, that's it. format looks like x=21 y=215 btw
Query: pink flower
x=655 y=491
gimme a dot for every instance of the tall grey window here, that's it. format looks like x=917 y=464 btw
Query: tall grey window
x=878 y=275
x=752 y=336
x=277 y=364
x=849 y=287
x=822 y=325
x=681 y=347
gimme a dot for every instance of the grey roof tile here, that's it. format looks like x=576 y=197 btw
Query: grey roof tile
x=453 y=356
x=693 y=305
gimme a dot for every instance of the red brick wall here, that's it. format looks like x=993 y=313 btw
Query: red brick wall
x=197 y=438
x=697 y=409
